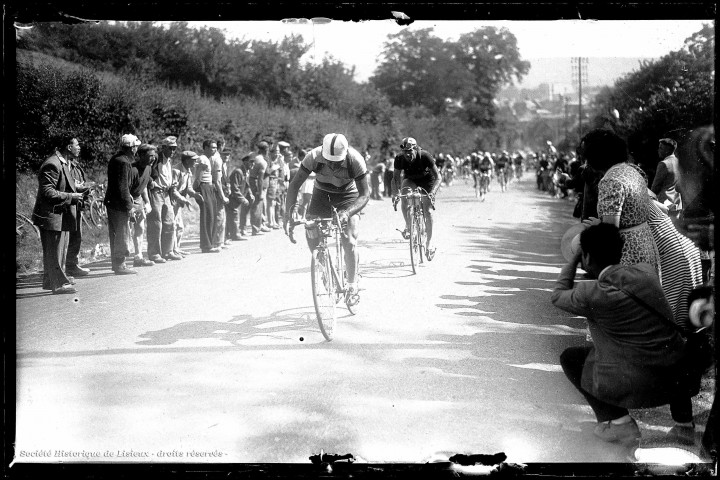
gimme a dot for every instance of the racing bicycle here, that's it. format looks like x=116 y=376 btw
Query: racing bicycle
x=502 y=178
x=482 y=184
x=327 y=272
x=416 y=214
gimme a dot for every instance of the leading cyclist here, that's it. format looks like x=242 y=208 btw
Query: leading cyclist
x=342 y=182
x=420 y=170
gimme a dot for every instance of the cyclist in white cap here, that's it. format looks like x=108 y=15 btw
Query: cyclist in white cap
x=342 y=182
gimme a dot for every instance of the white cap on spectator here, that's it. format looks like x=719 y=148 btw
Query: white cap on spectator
x=129 y=140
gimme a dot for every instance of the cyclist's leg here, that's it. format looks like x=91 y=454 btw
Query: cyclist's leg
x=319 y=207
x=427 y=211
x=406 y=183
x=349 y=241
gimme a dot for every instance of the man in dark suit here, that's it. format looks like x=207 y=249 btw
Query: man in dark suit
x=55 y=213
x=119 y=202
x=637 y=357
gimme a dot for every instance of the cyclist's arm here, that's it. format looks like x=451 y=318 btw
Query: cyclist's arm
x=396 y=181
x=436 y=179
x=294 y=187
x=363 y=186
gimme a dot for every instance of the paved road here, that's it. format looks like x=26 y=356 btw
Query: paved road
x=220 y=354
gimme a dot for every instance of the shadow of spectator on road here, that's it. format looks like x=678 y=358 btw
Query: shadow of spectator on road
x=239 y=328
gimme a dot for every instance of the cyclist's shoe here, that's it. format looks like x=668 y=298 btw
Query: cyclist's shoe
x=430 y=253
x=406 y=234
x=352 y=297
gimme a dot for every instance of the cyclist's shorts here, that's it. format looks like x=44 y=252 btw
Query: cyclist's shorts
x=322 y=201
x=407 y=183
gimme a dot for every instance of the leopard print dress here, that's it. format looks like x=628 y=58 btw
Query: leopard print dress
x=623 y=191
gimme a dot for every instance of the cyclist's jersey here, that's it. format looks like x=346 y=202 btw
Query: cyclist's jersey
x=439 y=162
x=418 y=170
x=475 y=163
x=485 y=165
x=501 y=163
x=341 y=180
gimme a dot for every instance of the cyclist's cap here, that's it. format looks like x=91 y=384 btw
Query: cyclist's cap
x=283 y=144
x=189 y=155
x=129 y=140
x=263 y=145
x=334 y=147
x=408 y=143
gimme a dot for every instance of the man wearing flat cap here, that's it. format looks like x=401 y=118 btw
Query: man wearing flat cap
x=665 y=182
x=161 y=219
x=119 y=202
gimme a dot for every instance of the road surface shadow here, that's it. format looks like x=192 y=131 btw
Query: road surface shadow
x=237 y=329
x=387 y=268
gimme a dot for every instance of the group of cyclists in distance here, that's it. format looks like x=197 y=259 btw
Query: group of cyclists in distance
x=482 y=167
x=342 y=184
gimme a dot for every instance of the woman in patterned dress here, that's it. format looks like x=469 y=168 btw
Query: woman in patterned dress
x=622 y=196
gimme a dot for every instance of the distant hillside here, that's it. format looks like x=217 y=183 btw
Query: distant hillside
x=601 y=70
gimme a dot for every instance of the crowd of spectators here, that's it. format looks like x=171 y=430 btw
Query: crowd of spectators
x=149 y=190
x=648 y=347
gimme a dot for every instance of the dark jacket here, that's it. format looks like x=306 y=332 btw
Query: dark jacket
x=637 y=354
x=239 y=188
x=54 y=208
x=118 y=195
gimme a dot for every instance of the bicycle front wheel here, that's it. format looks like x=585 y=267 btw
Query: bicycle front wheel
x=413 y=241
x=323 y=288
x=422 y=234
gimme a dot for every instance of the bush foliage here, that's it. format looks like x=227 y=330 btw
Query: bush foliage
x=664 y=98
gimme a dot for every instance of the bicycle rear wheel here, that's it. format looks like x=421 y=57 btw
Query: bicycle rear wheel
x=324 y=288
x=25 y=230
x=98 y=213
x=413 y=241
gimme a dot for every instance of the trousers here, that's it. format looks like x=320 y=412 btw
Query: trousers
x=119 y=233
x=208 y=210
x=55 y=246
x=572 y=361
x=160 y=224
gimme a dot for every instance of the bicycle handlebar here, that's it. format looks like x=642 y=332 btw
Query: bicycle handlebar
x=413 y=192
x=307 y=223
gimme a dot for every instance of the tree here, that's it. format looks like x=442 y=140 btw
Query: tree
x=492 y=58
x=663 y=98
x=418 y=68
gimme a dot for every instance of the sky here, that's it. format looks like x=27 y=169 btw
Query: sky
x=360 y=43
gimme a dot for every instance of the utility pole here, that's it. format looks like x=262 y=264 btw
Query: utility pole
x=579 y=65
x=565 y=101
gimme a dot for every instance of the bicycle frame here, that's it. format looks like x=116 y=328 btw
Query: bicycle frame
x=416 y=216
